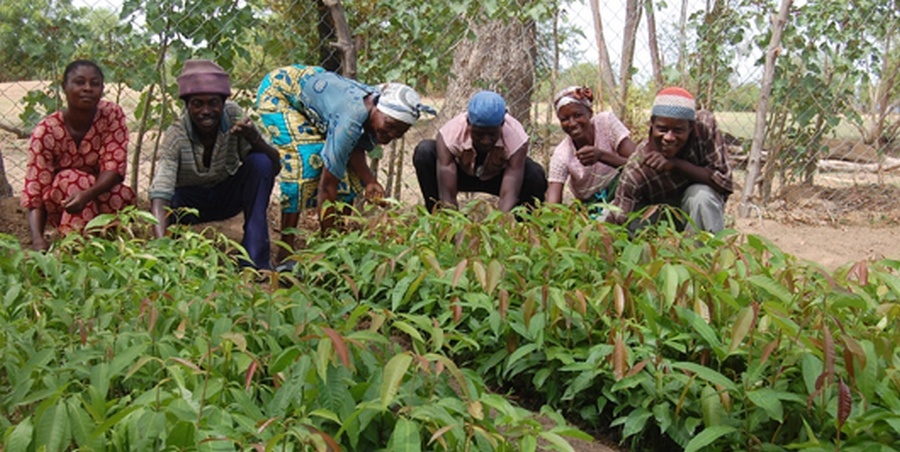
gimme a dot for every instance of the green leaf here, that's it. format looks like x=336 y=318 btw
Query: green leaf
x=520 y=352
x=53 y=431
x=406 y=437
x=20 y=438
x=636 y=421
x=284 y=359
x=773 y=288
x=707 y=374
x=124 y=359
x=82 y=425
x=711 y=405
x=768 y=400
x=670 y=280
x=700 y=326
x=707 y=437
x=393 y=375
x=408 y=329
x=557 y=441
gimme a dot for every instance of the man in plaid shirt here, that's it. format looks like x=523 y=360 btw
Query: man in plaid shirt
x=684 y=163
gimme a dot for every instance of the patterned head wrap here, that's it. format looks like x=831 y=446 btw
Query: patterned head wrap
x=574 y=95
x=401 y=103
x=203 y=77
x=675 y=103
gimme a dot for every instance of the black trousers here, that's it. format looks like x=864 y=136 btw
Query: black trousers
x=534 y=182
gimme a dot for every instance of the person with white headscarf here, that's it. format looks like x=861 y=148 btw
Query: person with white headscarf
x=323 y=124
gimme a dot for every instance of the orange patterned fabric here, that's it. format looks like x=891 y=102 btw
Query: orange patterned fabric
x=58 y=168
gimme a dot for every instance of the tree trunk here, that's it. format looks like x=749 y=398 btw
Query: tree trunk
x=5 y=189
x=632 y=19
x=682 y=40
x=759 y=132
x=607 y=83
x=145 y=114
x=476 y=66
x=344 y=44
x=655 y=60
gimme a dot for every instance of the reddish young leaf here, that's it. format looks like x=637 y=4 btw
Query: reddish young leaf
x=179 y=331
x=619 y=357
x=528 y=309
x=581 y=306
x=456 y=309
x=504 y=303
x=856 y=350
x=329 y=441
x=768 y=349
x=845 y=403
x=82 y=332
x=637 y=368
x=262 y=426
x=724 y=397
x=439 y=433
x=340 y=347
x=848 y=364
x=248 y=378
x=352 y=284
x=460 y=269
x=861 y=271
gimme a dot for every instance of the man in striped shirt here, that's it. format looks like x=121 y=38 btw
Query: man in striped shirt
x=684 y=163
x=213 y=159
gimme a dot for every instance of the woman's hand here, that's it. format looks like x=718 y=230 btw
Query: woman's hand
x=76 y=202
x=374 y=192
x=588 y=155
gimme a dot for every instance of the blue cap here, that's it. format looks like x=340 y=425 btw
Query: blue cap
x=486 y=109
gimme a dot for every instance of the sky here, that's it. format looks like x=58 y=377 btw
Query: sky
x=613 y=14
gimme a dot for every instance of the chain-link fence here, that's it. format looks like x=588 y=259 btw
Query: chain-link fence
x=831 y=137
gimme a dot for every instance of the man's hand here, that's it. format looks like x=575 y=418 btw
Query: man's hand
x=658 y=162
x=246 y=130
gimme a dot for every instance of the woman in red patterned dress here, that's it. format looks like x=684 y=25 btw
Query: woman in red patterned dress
x=77 y=158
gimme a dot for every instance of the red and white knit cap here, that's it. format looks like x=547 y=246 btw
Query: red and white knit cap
x=675 y=103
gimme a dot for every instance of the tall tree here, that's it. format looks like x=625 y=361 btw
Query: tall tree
x=632 y=20
x=608 y=80
x=656 y=60
x=762 y=107
x=476 y=66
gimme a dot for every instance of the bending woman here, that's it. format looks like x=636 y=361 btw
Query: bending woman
x=76 y=158
x=323 y=124
x=590 y=156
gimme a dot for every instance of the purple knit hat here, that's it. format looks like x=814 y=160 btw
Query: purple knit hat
x=203 y=77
